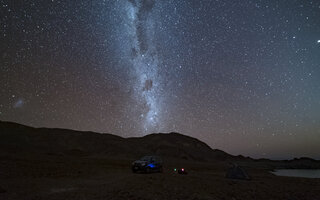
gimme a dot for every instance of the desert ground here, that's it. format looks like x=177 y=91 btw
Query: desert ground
x=77 y=177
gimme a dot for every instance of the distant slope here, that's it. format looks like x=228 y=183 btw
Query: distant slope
x=178 y=146
x=16 y=138
x=22 y=140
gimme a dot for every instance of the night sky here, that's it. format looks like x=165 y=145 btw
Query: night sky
x=242 y=76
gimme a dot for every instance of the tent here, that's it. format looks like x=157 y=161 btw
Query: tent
x=236 y=172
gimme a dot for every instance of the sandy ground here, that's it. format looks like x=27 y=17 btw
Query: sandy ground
x=59 y=177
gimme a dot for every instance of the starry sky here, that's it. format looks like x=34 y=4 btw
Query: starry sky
x=242 y=76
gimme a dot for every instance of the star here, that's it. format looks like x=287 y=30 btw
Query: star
x=135 y=67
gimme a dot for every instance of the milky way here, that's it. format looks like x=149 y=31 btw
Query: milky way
x=242 y=76
x=144 y=60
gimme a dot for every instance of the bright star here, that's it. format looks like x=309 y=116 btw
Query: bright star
x=318 y=41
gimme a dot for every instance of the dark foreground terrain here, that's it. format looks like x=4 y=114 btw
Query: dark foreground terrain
x=38 y=164
x=100 y=178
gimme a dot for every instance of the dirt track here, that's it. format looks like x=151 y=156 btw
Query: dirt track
x=55 y=177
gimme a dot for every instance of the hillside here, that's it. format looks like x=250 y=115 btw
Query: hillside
x=19 y=138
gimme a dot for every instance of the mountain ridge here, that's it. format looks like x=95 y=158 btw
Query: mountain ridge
x=16 y=137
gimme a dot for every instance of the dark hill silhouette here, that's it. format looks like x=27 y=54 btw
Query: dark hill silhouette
x=17 y=138
x=177 y=145
x=20 y=140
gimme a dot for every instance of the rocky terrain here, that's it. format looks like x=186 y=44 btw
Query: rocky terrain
x=40 y=163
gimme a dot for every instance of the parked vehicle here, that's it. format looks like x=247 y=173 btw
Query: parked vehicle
x=147 y=164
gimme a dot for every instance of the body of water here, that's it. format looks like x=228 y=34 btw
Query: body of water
x=305 y=173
